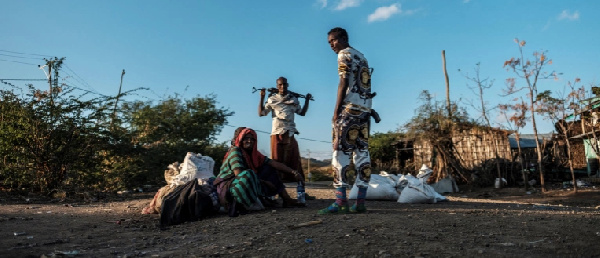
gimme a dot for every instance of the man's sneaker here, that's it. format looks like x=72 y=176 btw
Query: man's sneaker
x=358 y=209
x=334 y=208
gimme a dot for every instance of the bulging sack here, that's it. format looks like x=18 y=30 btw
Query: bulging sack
x=382 y=186
x=195 y=166
x=416 y=189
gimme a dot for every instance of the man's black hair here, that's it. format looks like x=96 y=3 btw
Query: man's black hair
x=283 y=79
x=340 y=32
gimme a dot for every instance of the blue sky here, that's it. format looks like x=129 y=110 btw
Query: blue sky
x=227 y=47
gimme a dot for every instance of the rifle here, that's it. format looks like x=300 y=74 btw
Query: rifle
x=273 y=91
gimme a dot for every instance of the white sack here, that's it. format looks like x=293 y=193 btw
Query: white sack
x=195 y=166
x=381 y=187
x=416 y=189
x=445 y=185
x=417 y=194
x=405 y=180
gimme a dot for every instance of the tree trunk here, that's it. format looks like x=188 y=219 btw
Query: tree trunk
x=537 y=143
x=523 y=166
x=570 y=158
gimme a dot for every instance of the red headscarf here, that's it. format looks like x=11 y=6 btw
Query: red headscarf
x=254 y=159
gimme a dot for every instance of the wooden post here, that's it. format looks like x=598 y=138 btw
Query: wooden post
x=117 y=100
x=447 y=84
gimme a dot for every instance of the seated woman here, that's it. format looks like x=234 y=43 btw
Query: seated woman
x=246 y=176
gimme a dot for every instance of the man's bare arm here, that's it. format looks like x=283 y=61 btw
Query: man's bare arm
x=341 y=94
x=305 y=107
x=261 y=107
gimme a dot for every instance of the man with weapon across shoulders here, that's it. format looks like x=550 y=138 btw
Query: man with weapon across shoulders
x=284 y=147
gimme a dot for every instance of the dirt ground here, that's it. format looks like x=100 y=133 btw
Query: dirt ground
x=490 y=222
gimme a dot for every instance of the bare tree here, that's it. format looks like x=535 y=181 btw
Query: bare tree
x=531 y=71
x=480 y=86
x=558 y=110
x=516 y=118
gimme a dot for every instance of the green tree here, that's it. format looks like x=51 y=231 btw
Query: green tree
x=60 y=140
x=381 y=148
x=48 y=136
x=169 y=129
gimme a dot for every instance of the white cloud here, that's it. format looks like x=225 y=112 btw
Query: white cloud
x=547 y=26
x=343 y=4
x=567 y=15
x=384 y=13
x=321 y=3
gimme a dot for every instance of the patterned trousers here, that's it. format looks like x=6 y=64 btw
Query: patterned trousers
x=351 y=145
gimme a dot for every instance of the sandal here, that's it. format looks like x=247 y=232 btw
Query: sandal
x=334 y=208
x=358 y=209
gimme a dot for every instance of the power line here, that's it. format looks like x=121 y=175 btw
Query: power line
x=84 y=90
x=76 y=76
x=20 y=56
x=23 y=53
x=17 y=62
x=23 y=79
x=260 y=131
x=84 y=82
x=72 y=83
x=66 y=78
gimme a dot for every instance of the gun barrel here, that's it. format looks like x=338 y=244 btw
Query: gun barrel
x=275 y=90
x=254 y=89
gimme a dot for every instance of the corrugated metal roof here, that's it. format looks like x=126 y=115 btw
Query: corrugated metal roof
x=527 y=140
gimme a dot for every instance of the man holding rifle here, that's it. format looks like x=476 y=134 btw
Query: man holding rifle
x=284 y=147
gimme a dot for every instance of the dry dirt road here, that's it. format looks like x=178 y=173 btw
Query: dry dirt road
x=479 y=223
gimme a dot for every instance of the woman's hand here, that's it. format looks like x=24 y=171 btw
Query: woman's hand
x=297 y=175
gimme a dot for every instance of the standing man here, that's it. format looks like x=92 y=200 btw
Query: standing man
x=351 y=119
x=284 y=147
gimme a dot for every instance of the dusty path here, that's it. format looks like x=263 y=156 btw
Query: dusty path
x=485 y=222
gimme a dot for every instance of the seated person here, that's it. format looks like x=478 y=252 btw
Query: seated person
x=246 y=176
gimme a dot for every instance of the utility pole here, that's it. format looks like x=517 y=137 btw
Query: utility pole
x=49 y=63
x=309 y=174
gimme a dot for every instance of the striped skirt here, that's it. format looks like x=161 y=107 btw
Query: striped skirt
x=244 y=188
